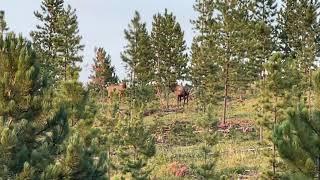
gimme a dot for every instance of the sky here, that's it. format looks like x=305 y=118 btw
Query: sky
x=101 y=23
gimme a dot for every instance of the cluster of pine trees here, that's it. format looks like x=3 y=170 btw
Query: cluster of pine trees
x=272 y=46
x=157 y=58
x=53 y=127
x=269 y=46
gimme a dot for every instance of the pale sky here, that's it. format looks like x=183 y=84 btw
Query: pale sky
x=101 y=23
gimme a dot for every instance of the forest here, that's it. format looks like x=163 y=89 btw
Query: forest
x=241 y=102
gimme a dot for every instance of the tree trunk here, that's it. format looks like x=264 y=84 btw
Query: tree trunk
x=309 y=95
x=167 y=98
x=261 y=134
x=226 y=81
x=10 y=120
x=318 y=167
x=65 y=69
x=109 y=159
x=274 y=145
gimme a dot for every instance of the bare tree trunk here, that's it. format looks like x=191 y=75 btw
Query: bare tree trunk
x=10 y=120
x=261 y=134
x=309 y=95
x=132 y=91
x=318 y=167
x=226 y=81
x=167 y=98
x=274 y=145
x=65 y=70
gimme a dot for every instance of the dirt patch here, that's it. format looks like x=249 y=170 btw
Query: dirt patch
x=162 y=112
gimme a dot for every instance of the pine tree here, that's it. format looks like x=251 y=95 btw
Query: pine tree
x=297 y=138
x=265 y=12
x=298 y=37
x=20 y=81
x=103 y=73
x=33 y=124
x=135 y=146
x=169 y=49
x=230 y=29
x=204 y=70
x=79 y=161
x=47 y=36
x=206 y=170
x=138 y=53
x=70 y=46
x=264 y=17
x=106 y=121
x=57 y=41
x=277 y=97
x=73 y=96
x=3 y=23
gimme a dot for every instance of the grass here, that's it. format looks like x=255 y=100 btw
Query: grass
x=238 y=152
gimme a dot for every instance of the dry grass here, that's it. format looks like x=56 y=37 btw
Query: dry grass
x=236 y=152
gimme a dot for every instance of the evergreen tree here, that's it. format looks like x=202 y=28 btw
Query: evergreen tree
x=138 y=53
x=231 y=27
x=265 y=12
x=103 y=72
x=264 y=17
x=204 y=70
x=57 y=41
x=106 y=121
x=299 y=38
x=206 y=170
x=3 y=23
x=33 y=124
x=169 y=50
x=20 y=81
x=297 y=138
x=47 y=36
x=74 y=98
x=79 y=160
x=135 y=146
x=277 y=97
x=70 y=46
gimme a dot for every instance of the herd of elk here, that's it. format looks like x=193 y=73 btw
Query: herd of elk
x=181 y=92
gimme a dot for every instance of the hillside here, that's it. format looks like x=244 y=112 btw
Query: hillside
x=238 y=153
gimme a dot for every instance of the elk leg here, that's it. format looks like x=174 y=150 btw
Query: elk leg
x=178 y=101
x=187 y=99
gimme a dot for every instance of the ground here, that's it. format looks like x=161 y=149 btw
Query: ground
x=239 y=154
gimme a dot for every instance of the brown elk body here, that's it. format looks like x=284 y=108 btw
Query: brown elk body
x=116 y=88
x=181 y=92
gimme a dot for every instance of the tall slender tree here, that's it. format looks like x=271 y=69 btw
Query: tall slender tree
x=265 y=12
x=138 y=53
x=47 y=36
x=57 y=41
x=169 y=49
x=299 y=38
x=103 y=73
x=231 y=27
x=278 y=82
x=70 y=46
x=204 y=70
x=3 y=23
